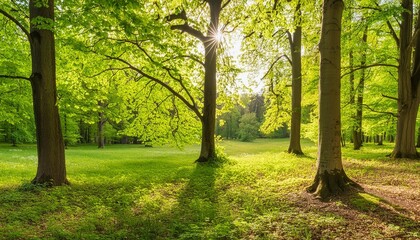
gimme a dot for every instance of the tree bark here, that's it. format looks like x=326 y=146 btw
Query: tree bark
x=408 y=87
x=330 y=177
x=296 y=46
x=208 y=147
x=50 y=144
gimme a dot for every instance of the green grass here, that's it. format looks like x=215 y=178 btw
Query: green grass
x=132 y=192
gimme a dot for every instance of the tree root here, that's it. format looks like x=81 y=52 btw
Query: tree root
x=48 y=181
x=399 y=154
x=331 y=183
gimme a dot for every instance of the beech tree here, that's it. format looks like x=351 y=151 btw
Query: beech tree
x=159 y=44
x=210 y=43
x=330 y=177
x=50 y=144
x=295 y=40
x=408 y=84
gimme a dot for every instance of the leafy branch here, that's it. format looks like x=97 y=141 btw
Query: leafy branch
x=191 y=106
x=185 y=27
x=375 y=111
x=368 y=66
x=15 y=77
x=20 y=25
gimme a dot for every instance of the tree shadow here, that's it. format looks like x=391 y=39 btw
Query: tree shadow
x=197 y=203
x=364 y=202
x=180 y=209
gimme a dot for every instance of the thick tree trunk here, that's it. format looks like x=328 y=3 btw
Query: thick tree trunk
x=296 y=45
x=50 y=144
x=208 y=147
x=408 y=87
x=330 y=177
x=405 y=144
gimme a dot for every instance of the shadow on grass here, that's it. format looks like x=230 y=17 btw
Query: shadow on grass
x=182 y=204
x=187 y=209
x=399 y=220
x=197 y=203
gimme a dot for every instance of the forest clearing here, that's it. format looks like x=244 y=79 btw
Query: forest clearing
x=212 y=119
x=132 y=192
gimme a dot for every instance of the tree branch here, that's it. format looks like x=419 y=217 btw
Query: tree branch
x=274 y=63
x=290 y=38
x=275 y=4
x=248 y=35
x=225 y=4
x=393 y=33
x=136 y=43
x=190 y=30
x=182 y=85
x=160 y=82
x=107 y=70
x=369 y=66
x=375 y=111
x=182 y=15
x=388 y=23
x=15 y=77
x=393 y=98
x=10 y=17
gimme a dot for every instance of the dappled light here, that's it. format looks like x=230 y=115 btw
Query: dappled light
x=214 y=119
x=140 y=192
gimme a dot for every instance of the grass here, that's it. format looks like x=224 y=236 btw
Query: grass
x=132 y=192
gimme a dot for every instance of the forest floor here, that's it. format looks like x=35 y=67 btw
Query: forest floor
x=132 y=192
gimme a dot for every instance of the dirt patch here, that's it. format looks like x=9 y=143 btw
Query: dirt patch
x=366 y=215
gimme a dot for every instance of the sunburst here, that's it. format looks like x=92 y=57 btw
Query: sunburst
x=214 y=37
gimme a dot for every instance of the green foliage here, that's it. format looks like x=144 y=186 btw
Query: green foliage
x=248 y=127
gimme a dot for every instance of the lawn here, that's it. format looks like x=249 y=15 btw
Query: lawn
x=133 y=192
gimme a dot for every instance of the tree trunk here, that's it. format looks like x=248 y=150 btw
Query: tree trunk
x=408 y=87
x=343 y=139
x=405 y=144
x=380 y=140
x=50 y=144
x=357 y=144
x=208 y=147
x=101 y=135
x=296 y=45
x=330 y=177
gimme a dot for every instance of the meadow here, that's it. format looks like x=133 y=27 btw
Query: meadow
x=133 y=192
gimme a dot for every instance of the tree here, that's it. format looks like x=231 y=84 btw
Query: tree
x=274 y=36
x=164 y=51
x=408 y=85
x=248 y=127
x=210 y=43
x=330 y=177
x=357 y=127
x=296 y=53
x=50 y=143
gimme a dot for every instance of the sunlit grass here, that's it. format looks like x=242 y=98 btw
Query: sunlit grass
x=132 y=192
